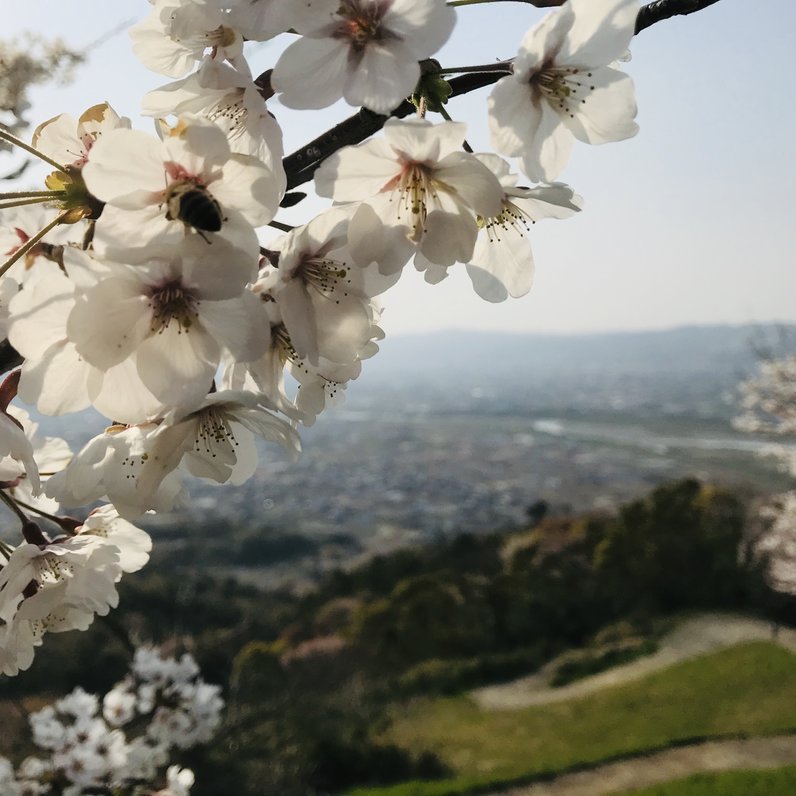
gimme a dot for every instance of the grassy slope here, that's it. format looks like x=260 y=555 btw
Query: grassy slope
x=779 y=782
x=749 y=689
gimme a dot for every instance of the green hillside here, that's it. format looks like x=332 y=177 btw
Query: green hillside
x=745 y=690
x=779 y=782
x=362 y=682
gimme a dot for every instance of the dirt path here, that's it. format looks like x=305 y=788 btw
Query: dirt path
x=653 y=769
x=698 y=636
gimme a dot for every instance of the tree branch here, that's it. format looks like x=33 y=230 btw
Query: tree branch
x=9 y=356
x=302 y=164
x=665 y=9
x=537 y=3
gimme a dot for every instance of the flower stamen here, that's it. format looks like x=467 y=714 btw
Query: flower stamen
x=172 y=302
x=213 y=432
x=561 y=87
x=360 y=25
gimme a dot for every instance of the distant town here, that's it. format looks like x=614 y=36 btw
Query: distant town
x=419 y=453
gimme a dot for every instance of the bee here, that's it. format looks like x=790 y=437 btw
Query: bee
x=193 y=205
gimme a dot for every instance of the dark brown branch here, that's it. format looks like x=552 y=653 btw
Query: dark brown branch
x=650 y=13
x=301 y=164
x=665 y=9
x=9 y=357
x=543 y=3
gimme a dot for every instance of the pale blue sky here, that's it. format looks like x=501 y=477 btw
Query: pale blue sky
x=690 y=222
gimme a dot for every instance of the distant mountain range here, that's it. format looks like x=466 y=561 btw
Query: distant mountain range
x=686 y=370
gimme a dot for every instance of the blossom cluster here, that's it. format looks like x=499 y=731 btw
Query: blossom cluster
x=138 y=284
x=768 y=400
x=164 y=705
x=777 y=541
x=59 y=583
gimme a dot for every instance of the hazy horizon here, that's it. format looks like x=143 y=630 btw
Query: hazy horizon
x=765 y=325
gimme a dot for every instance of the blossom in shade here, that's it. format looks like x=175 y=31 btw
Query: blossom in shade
x=177 y=34
x=50 y=454
x=59 y=585
x=110 y=466
x=18 y=641
x=322 y=296
x=502 y=263
x=216 y=441
x=14 y=443
x=562 y=87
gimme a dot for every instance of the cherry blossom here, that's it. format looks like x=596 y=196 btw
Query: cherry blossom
x=231 y=100
x=367 y=51
x=502 y=262
x=323 y=385
x=562 y=87
x=14 y=443
x=118 y=705
x=69 y=141
x=179 y=782
x=260 y=20
x=120 y=749
x=417 y=178
x=174 y=316
x=60 y=585
x=145 y=181
x=177 y=33
x=54 y=375
x=143 y=288
x=322 y=297
x=110 y=466
x=216 y=441
x=51 y=454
